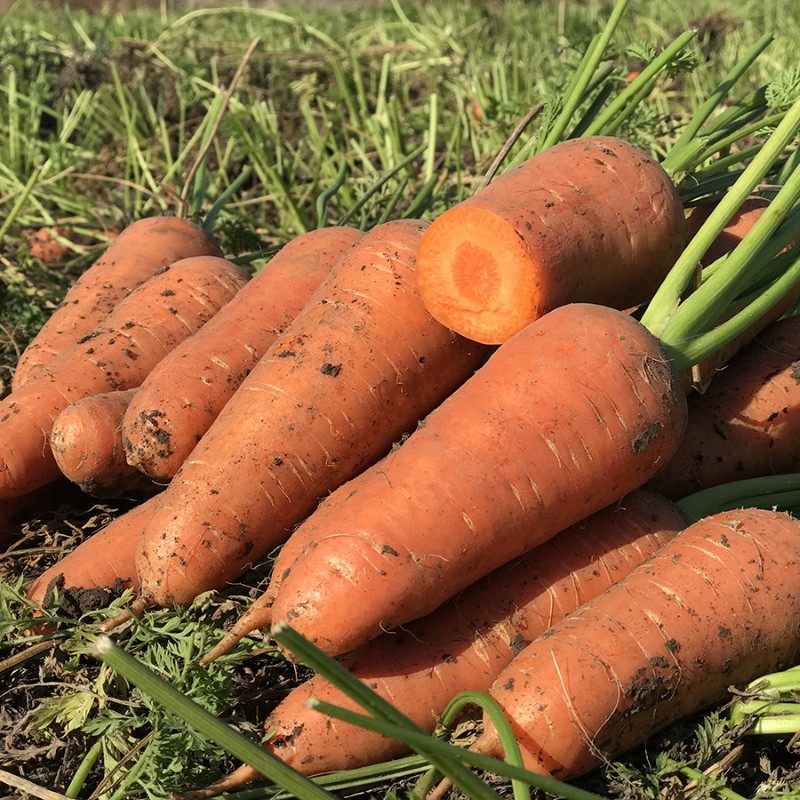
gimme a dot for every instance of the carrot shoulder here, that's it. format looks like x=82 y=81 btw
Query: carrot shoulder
x=592 y=219
x=466 y=642
x=185 y=392
x=747 y=424
x=86 y=441
x=359 y=366
x=117 y=354
x=717 y=606
x=135 y=255
x=571 y=414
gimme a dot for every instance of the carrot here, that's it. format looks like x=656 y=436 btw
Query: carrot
x=494 y=471
x=136 y=254
x=715 y=607
x=184 y=394
x=592 y=219
x=466 y=642
x=359 y=366
x=48 y=244
x=748 y=422
x=86 y=441
x=99 y=564
x=117 y=354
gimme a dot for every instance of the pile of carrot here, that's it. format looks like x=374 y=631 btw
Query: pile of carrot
x=454 y=431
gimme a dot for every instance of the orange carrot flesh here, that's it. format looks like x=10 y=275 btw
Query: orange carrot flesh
x=185 y=392
x=137 y=254
x=592 y=219
x=748 y=422
x=117 y=354
x=466 y=642
x=717 y=606
x=86 y=441
x=420 y=528
x=359 y=366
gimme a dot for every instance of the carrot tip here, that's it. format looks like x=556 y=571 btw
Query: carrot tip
x=137 y=607
x=234 y=780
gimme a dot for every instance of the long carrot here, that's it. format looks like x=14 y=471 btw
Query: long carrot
x=185 y=392
x=748 y=422
x=361 y=364
x=715 y=607
x=117 y=354
x=549 y=443
x=135 y=255
x=593 y=219
x=466 y=642
x=86 y=441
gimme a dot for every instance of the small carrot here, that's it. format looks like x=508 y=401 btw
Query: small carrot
x=748 y=422
x=134 y=256
x=592 y=219
x=104 y=560
x=511 y=458
x=357 y=369
x=185 y=392
x=86 y=441
x=714 y=608
x=116 y=355
x=466 y=642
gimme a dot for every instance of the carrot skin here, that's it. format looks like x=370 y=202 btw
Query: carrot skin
x=185 y=392
x=596 y=410
x=359 y=366
x=117 y=354
x=86 y=441
x=748 y=422
x=592 y=220
x=717 y=606
x=466 y=642
x=136 y=254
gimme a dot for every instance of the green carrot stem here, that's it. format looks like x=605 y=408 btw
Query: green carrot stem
x=205 y=723
x=627 y=100
x=712 y=297
x=582 y=77
x=325 y=195
x=699 y=777
x=778 y=490
x=740 y=132
x=677 y=160
x=84 y=768
x=423 y=741
x=385 y=712
x=211 y=217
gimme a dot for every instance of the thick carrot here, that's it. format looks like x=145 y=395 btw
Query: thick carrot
x=715 y=607
x=571 y=414
x=359 y=366
x=184 y=394
x=592 y=219
x=117 y=354
x=466 y=642
x=748 y=422
x=134 y=256
x=86 y=441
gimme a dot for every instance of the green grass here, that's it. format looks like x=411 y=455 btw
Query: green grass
x=306 y=118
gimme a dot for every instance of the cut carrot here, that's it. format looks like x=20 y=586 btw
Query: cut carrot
x=137 y=254
x=548 y=443
x=117 y=354
x=592 y=219
x=185 y=392
x=359 y=366
x=86 y=441
x=715 y=607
